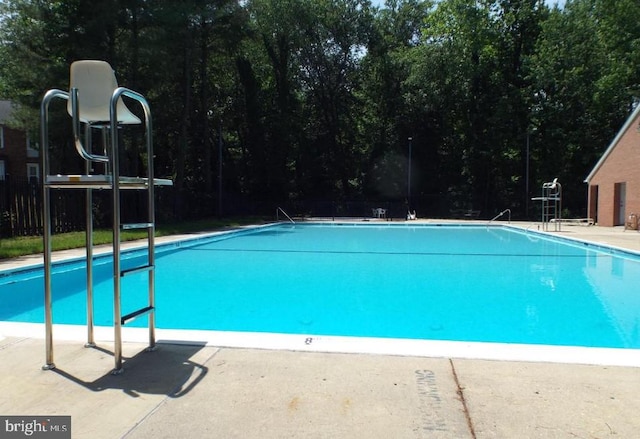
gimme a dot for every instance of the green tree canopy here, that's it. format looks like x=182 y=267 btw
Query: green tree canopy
x=315 y=100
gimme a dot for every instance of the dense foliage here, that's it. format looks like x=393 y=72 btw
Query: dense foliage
x=316 y=100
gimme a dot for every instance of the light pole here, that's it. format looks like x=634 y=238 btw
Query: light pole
x=409 y=177
x=531 y=130
x=526 y=180
x=220 y=145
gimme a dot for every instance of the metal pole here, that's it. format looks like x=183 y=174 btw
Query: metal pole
x=115 y=179
x=46 y=240
x=89 y=242
x=220 y=169
x=46 y=221
x=151 y=231
x=526 y=179
x=409 y=177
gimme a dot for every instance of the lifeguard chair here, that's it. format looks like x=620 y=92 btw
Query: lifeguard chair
x=94 y=101
x=551 y=204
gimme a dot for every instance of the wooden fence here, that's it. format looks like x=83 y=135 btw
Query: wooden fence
x=21 y=209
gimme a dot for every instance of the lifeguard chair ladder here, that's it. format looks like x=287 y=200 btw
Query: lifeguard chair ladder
x=96 y=101
x=551 y=204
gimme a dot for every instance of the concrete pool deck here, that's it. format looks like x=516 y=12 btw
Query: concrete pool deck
x=195 y=391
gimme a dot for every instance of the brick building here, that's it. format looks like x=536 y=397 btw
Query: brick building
x=614 y=182
x=19 y=157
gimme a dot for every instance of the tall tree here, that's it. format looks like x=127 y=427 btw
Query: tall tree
x=577 y=105
x=317 y=99
x=457 y=63
x=329 y=75
x=278 y=36
x=388 y=116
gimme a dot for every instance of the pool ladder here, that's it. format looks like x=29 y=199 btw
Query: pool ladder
x=110 y=180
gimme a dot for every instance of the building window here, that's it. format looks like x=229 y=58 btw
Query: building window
x=32 y=148
x=2 y=170
x=33 y=172
x=1 y=137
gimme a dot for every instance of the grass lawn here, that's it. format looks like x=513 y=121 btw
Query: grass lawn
x=27 y=245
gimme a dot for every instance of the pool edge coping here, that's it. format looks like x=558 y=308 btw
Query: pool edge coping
x=514 y=352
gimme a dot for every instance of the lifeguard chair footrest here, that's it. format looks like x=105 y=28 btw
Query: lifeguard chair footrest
x=126 y=318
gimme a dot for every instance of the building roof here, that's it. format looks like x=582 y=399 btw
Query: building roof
x=614 y=143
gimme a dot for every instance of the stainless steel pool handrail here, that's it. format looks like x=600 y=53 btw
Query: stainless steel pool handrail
x=500 y=215
x=279 y=209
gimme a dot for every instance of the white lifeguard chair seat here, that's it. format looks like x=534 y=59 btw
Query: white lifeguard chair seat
x=96 y=82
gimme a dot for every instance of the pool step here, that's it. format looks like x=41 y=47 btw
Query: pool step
x=128 y=317
x=149 y=267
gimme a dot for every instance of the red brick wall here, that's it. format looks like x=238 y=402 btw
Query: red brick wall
x=621 y=166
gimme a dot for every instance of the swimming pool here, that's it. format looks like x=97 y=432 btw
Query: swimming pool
x=394 y=281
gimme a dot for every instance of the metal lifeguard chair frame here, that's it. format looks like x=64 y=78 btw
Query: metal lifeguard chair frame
x=96 y=101
x=551 y=205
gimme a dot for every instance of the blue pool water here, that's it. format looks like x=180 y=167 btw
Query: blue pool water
x=468 y=283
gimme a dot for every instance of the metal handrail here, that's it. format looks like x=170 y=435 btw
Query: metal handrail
x=113 y=112
x=500 y=215
x=46 y=203
x=75 y=115
x=279 y=209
